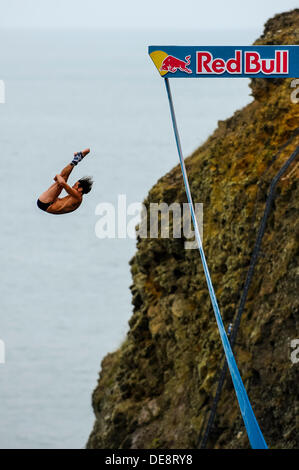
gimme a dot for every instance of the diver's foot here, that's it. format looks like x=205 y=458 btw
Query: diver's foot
x=78 y=156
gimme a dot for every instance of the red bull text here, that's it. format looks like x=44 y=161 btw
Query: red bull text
x=253 y=63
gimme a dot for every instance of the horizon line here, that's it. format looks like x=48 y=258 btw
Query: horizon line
x=114 y=29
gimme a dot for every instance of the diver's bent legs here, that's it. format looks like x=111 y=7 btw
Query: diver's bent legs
x=67 y=171
x=53 y=192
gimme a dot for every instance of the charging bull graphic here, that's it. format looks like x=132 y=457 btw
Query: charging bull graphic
x=172 y=64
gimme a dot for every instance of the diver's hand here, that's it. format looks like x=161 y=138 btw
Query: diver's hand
x=59 y=179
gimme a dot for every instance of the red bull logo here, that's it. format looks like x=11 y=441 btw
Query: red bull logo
x=172 y=64
x=226 y=61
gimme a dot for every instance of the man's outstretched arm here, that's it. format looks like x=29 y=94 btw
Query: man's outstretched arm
x=69 y=190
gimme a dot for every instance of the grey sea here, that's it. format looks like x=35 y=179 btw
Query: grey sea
x=65 y=298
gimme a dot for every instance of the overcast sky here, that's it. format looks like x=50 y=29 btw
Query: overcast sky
x=139 y=14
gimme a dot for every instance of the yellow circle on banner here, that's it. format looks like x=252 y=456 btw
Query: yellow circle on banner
x=158 y=57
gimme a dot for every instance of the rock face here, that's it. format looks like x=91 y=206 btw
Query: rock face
x=155 y=391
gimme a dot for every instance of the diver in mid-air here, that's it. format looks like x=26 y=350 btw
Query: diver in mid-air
x=50 y=202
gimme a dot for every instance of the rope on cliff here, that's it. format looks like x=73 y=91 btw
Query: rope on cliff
x=253 y=261
x=255 y=435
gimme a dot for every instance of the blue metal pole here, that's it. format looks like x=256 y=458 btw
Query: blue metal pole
x=255 y=435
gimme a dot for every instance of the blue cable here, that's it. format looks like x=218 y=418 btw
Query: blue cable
x=255 y=435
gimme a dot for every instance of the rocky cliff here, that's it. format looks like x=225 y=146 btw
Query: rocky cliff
x=156 y=390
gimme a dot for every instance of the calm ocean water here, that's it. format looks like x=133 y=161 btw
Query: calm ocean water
x=65 y=299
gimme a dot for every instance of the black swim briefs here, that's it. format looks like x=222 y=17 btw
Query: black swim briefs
x=43 y=205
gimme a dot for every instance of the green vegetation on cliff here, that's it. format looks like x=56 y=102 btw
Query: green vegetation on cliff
x=155 y=391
